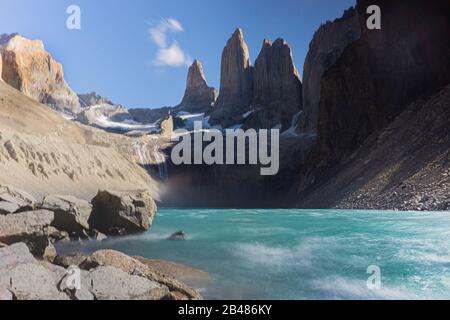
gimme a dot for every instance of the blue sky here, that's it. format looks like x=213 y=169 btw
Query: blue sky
x=115 y=55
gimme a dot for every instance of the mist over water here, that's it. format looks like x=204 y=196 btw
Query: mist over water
x=300 y=254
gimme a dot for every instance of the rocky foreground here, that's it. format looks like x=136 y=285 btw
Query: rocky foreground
x=30 y=267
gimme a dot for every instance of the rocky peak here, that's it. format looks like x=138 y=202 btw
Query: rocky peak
x=235 y=81
x=31 y=70
x=198 y=97
x=92 y=99
x=325 y=49
x=276 y=85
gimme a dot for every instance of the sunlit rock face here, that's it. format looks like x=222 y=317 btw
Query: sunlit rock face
x=277 y=89
x=31 y=70
x=198 y=97
x=236 y=82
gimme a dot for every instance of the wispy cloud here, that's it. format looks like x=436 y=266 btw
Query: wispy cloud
x=168 y=55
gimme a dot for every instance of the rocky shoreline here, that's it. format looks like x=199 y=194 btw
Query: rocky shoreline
x=30 y=267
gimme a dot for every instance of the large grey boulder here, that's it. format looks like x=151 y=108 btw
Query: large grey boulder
x=14 y=200
x=198 y=97
x=71 y=214
x=32 y=227
x=109 y=283
x=236 y=82
x=14 y=255
x=122 y=212
x=131 y=265
x=31 y=281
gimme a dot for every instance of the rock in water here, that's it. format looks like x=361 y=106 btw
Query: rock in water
x=325 y=49
x=130 y=212
x=235 y=82
x=198 y=97
x=277 y=89
x=71 y=214
x=31 y=70
x=179 y=235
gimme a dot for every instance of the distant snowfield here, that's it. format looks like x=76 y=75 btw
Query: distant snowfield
x=127 y=125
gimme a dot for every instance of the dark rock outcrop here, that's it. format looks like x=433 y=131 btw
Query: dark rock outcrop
x=119 y=212
x=198 y=97
x=277 y=89
x=177 y=236
x=31 y=70
x=92 y=99
x=327 y=46
x=375 y=79
x=147 y=116
x=236 y=82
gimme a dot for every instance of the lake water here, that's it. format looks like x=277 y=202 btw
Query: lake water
x=301 y=254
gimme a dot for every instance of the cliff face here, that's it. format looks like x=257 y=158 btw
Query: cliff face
x=31 y=70
x=325 y=49
x=235 y=82
x=198 y=96
x=376 y=78
x=277 y=89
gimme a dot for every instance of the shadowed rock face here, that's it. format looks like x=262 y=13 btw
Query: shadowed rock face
x=376 y=78
x=276 y=87
x=235 y=82
x=31 y=70
x=325 y=49
x=198 y=96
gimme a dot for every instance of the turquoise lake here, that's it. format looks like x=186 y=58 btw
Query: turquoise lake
x=300 y=254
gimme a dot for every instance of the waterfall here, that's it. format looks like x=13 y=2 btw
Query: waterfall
x=145 y=158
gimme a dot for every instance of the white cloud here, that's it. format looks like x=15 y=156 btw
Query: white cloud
x=168 y=55
x=172 y=56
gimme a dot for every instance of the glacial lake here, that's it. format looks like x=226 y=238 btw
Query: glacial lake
x=300 y=254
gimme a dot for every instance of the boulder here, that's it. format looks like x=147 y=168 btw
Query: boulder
x=71 y=214
x=198 y=97
x=70 y=260
x=14 y=255
x=179 y=235
x=235 y=83
x=126 y=211
x=31 y=70
x=133 y=266
x=109 y=283
x=32 y=227
x=31 y=281
x=14 y=200
x=25 y=225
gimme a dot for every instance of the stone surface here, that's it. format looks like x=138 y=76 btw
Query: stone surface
x=71 y=214
x=109 y=283
x=14 y=200
x=130 y=211
x=179 y=235
x=24 y=226
x=198 y=97
x=70 y=260
x=14 y=255
x=236 y=82
x=31 y=70
x=92 y=99
x=326 y=47
x=31 y=281
x=133 y=266
x=277 y=88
